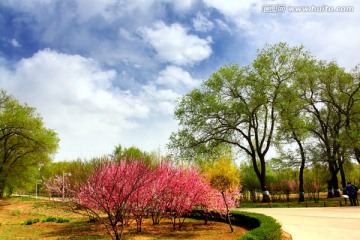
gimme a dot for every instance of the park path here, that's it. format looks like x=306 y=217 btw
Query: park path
x=328 y=223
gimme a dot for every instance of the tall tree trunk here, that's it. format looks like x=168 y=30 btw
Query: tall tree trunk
x=334 y=179
x=261 y=175
x=335 y=184
x=343 y=178
x=301 y=174
x=227 y=212
x=301 y=183
x=330 y=191
x=357 y=154
x=265 y=192
x=2 y=186
x=341 y=161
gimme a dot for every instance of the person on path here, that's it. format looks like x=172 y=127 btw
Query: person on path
x=356 y=195
x=351 y=193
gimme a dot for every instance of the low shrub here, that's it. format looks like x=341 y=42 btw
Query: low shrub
x=30 y=221
x=62 y=220
x=263 y=227
x=55 y=219
x=49 y=219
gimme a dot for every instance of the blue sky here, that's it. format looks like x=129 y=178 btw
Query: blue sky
x=108 y=72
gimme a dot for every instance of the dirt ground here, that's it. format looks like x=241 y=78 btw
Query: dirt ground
x=14 y=211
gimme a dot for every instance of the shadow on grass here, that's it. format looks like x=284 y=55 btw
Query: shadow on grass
x=86 y=230
x=76 y=230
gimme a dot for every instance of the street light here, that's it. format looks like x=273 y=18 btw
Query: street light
x=37 y=182
x=63 y=184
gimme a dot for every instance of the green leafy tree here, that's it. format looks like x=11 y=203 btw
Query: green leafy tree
x=294 y=129
x=283 y=178
x=332 y=97
x=131 y=153
x=315 y=178
x=239 y=106
x=77 y=171
x=249 y=180
x=349 y=107
x=25 y=143
x=24 y=183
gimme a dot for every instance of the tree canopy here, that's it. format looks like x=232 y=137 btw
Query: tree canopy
x=285 y=94
x=238 y=106
x=25 y=143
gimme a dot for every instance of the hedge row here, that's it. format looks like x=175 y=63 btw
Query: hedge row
x=262 y=227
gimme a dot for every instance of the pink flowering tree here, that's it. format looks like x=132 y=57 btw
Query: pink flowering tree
x=313 y=188
x=160 y=191
x=54 y=185
x=292 y=186
x=283 y=188
x=185 y=190
x=140 y=205
x=58 y=186
x=114 y=189
x=220 y=202
x=129 y=190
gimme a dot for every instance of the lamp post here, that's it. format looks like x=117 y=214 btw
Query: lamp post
x=63 y=184
x=37 y=182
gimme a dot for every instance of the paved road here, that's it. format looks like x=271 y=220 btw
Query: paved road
x=330 y=223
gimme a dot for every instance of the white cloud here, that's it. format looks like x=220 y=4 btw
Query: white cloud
x=27 y=5
x=161 y=100
x=329 y=36
x=230 y=7
x=113 y=9
x=176 y=78
x=162 y=94
x=87 y=9
x=173 y=44
x=202 y=24
x=181 y=5
x=237 y=11
x=15 y=43
x=73 y=94
x=222 y=25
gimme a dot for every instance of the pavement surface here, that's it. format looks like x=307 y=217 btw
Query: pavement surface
x=330 y=223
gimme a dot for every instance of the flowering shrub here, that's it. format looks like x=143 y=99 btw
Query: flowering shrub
x=129 y=190
x=283 y=188
x=313 y=190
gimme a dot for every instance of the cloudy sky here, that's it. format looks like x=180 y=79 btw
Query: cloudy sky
x=108 y=72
